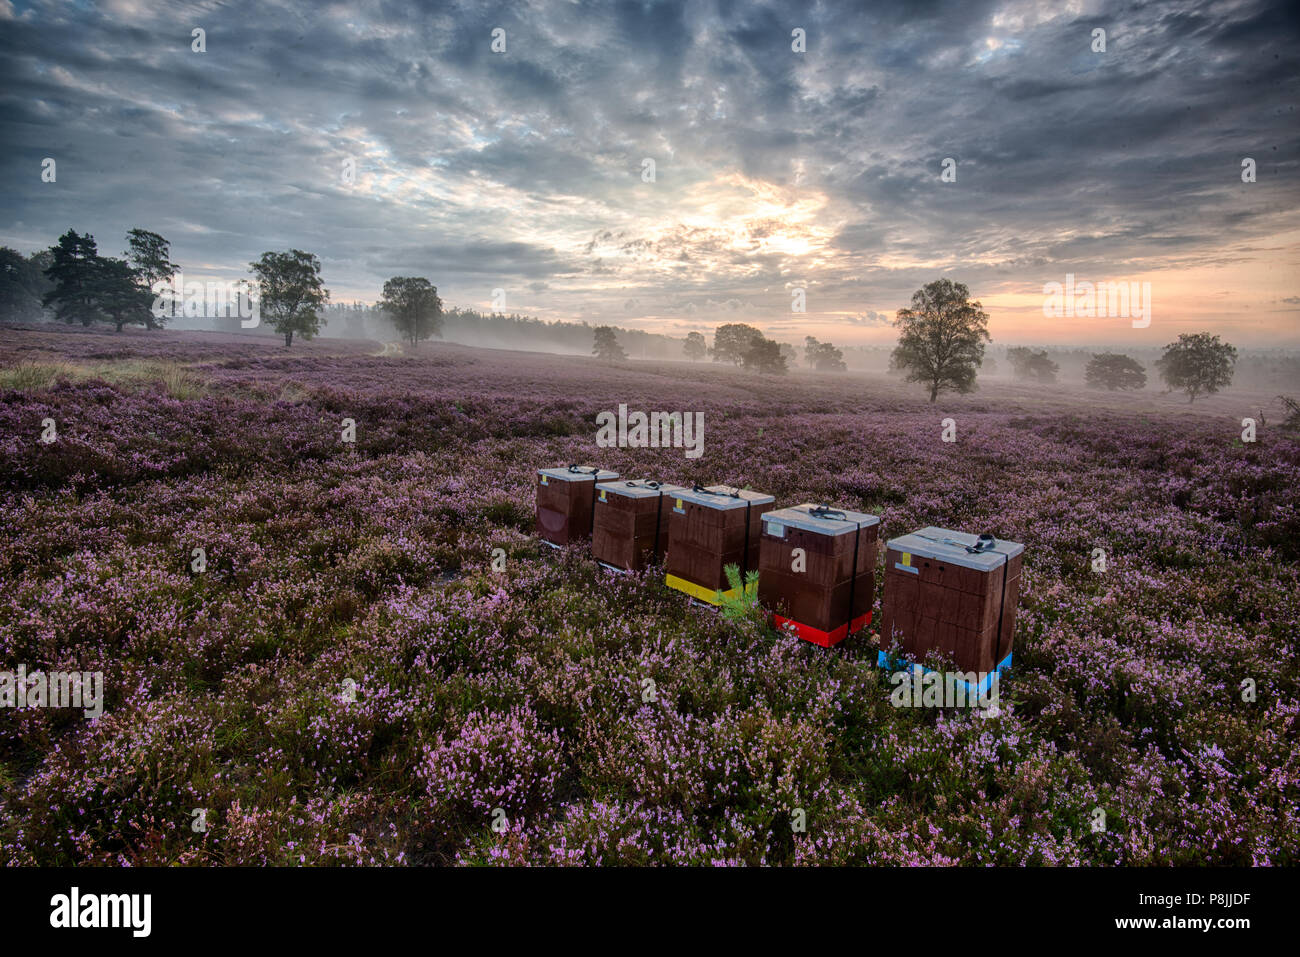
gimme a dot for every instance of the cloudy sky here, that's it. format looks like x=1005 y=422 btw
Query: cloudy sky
x=524 y=170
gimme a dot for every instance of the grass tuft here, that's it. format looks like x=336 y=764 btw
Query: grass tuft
x=40 y=375
x=30 y=375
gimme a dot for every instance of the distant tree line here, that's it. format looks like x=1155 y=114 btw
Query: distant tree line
x=78 y=285
x=738 y=344
x=941 y=335
x=941 y=344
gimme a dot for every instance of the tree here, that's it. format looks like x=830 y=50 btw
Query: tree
x=695 y=347
x=73 y=270
x=764 y=355
x=414 y=306
x=1197 y=363
x=42 y=260
x=941 y=338
x=788 y=353
x=118 y=294
x=150 y=257
x=1107 y=370
x=88 y=287
x=291 y=292
x=606 y=345
x=810 y=347
x=22 y=285
x=1028 y=364
x=823 y=356
x=732 y=341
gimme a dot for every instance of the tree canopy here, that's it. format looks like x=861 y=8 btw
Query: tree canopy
x=149 y=255
x=118 y=293
x=1108 y=370
x=86 y=287
x=414 y=307
x=605 y=345
x=941 y=338
x=764 y=355
x=732 y=341
x=823 y=356
x=73 y=271
x=1029 y=364
x=291 y=292
x=1198 y=364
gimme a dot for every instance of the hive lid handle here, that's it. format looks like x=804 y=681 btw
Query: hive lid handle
x=983 y=544
x=697 y=487
x=825 y=511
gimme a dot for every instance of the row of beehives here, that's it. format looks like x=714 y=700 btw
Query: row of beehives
x=945 y=591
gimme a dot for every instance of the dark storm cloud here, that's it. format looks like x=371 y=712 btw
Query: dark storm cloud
x=478 y=168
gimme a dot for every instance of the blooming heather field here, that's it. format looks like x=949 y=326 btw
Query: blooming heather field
x=522 y=690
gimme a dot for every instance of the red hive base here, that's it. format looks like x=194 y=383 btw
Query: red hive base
x=818 y=637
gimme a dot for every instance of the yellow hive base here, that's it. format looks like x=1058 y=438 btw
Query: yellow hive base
x=712 y=595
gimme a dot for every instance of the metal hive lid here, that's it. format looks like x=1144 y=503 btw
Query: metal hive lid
x=586 y=475
x=723 y=499
x=637 y=488
x=800 y=516
x=950 y=546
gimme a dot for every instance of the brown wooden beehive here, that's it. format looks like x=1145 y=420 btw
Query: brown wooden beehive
x=709 y=528
x=817 y=570
x=564 y=502
x=954 y=593
x=630 y=523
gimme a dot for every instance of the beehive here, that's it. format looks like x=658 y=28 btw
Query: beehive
x=564 y=502
x=954 y=593
x=823 y=593
x=708 y=529
x=630 y=523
